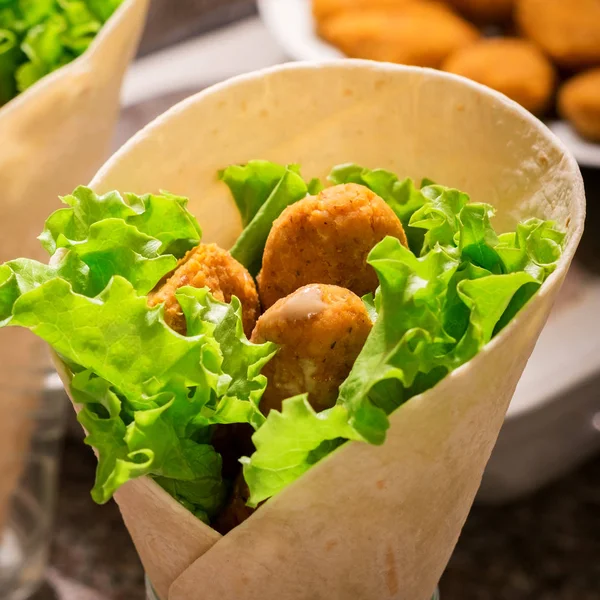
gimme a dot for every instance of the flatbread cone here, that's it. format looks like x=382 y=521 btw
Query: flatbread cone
x=367 y=522
x=58 y=132
x=54 y=136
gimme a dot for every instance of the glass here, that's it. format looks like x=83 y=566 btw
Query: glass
x=31 y=428
x=151 y=594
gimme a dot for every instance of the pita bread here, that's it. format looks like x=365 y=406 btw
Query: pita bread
x=54 y=136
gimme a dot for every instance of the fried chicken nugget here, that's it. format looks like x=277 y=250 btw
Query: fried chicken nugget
x=323 y=9
x=579 y=103
x=209 y=266
x=514 y=67
x=418 y=33
x=326 y=239
x=569 y=31
x=484 y=11
x=320 y=330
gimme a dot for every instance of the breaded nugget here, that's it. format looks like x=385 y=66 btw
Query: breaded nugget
x=418 y=33
x=320 y=330
x=567 y=30
x=209 y=266
x=326 y=239
x=579 y=102
x=485 y=11
x=512 y=66
x=323 y=9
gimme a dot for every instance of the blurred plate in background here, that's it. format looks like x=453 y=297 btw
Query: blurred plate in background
x=291 y=24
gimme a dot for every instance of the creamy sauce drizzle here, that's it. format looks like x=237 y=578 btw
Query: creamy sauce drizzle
x=303 y=304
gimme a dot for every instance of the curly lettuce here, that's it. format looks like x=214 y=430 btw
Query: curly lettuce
x=262 y=191
x=150 y=398
x=40 y=36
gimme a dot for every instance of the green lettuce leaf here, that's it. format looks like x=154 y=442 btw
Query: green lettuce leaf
x=33 y=12
x=40 y=36
x=158 y=390
x=164 y=217
x=290 y=442
x=242 y=360
x=114 y=334
x=251 y=185
x=149 y=396
x=23 y=275
x=408 y=334
x=535 y=248
x=275 y=194
x=10 y=58
x=100 y=415
x=103 y=9
x=115 y=248
x=43 y=43
x=83 y=26
x=439 y=216
x=9 y=292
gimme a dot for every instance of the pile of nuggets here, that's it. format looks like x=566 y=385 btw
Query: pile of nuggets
x=314 y=272
x=526 y=49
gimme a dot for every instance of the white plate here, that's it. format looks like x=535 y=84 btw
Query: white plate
x=586 y=153
x=292 y=25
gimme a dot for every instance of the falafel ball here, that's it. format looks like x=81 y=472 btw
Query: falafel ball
x=512 y=66
x=320 y=330
x=484 y=11
x=323 y=9
x=326 y=239
x=568 y=31
x=423 y=34
x=579 y=103
x=209 y=266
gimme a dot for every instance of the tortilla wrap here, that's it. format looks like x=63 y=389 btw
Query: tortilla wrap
x=54 y=136
x=366 y=522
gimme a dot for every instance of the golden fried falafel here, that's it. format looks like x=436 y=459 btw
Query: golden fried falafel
x=320 y=330
x=515 y=67
x=326 y=239
x=484 y=11
x=418 y=33
x=209 y=266
x=323 y=9
x=567 y=30
x=579 y=103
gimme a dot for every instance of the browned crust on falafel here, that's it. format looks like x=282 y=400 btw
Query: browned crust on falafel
x=326 y=239
x=317 y=349
x=209 y=266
